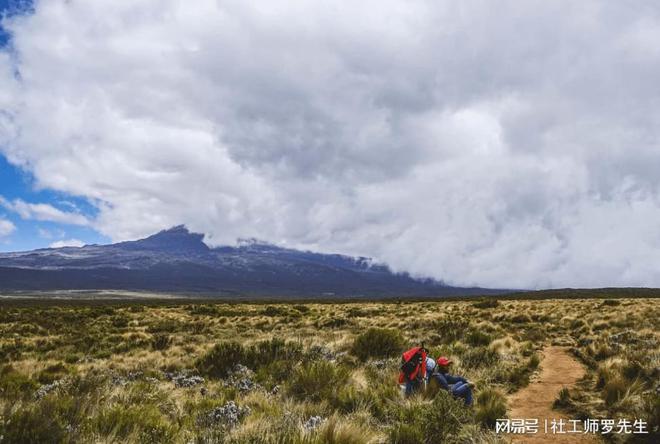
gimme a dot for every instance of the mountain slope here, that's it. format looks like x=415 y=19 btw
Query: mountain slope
x=176 y=260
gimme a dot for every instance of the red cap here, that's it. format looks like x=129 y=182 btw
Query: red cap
x=443 y=361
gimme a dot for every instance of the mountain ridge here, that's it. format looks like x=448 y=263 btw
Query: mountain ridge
x=177 y=260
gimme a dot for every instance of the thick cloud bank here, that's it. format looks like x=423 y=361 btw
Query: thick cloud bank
x=504 y=144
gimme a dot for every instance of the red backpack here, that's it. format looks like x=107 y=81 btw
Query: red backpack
x=413 y=364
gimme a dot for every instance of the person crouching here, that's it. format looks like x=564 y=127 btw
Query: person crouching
x=458 y=386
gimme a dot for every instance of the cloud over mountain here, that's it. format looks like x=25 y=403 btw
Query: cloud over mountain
x=507 y=145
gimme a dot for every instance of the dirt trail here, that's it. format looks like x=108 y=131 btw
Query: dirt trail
x=558 y=369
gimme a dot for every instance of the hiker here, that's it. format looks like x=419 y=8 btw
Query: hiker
x=456 y=385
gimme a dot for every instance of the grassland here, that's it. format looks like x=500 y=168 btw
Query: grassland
x=309 y=372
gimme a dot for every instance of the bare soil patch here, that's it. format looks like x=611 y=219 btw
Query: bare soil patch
x=559 y=369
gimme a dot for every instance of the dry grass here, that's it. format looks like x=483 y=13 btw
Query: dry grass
x=114 y=367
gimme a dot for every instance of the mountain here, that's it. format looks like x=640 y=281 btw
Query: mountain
x=177 y=260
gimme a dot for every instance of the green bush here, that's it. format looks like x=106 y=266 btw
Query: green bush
x=160 y=341
x=486 y=303
x=218 y=361
x=119 y=321
x=378 y=343
x=15 y=385
x=349 y=399
x=165 y=326
x=520 y=319
x=266 y=352
x=518 y=376
x=33 y=425
x=271 y=310
x=476 y=338
x=204 y=310
x=478 y=357
x=422 y=423
x=301 y=308
x=51 y=420
x=334 y=322
x=317 y=380
x=450 y=329
x=491 y=405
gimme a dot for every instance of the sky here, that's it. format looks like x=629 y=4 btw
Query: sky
x=501 y=144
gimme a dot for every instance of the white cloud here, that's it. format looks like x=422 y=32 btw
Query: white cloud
x=43 y=212
x=67 y=243
x=6 y=227
x=511 y=144
x=46 y=234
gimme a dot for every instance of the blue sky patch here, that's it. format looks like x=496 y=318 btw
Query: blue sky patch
x=17 y=185
x=9 y=8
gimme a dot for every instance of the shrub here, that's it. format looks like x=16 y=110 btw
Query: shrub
x=475 y=337
x=225 y=355
x=119 y=321
x=161 y=341
x=349 y=399
x=166 y=326
x=438 y=422
x=204 y=310
x=534 y=334
x=218 y=361
x=491 y=405
x=377 y=343
x=450 y=329
x=301 y=308
x=266 y=352
x=14 y=384
x=317 y=380
x=273 y=311
x=518 y=376
x=520 y=319
x=486 y=303
x=51 y=420
x=334 y=322
x=479 y=357
x=34 y=424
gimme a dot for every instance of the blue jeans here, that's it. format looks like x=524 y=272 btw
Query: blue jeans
x=462 y=390
x=412 y=386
